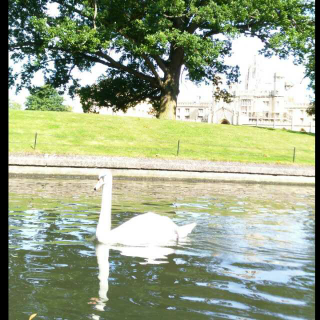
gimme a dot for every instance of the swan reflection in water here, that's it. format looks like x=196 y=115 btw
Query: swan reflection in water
x=150 y=254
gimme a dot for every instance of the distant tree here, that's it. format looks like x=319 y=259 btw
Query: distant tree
x=310 y=73
x=68 y=108
x=146 y=44
x=311 y=111
x=15 y=105
x=45 y=98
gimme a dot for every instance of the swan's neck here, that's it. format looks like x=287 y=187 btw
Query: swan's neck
x=102 y=252
x=104 y=224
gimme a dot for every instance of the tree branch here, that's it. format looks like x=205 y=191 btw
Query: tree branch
x=93 y=3
x=109 y=62
x=114 y=64
x=147 y=60
x=192 y=27
x=72 y=8
x=161 y=63
x=152 y=68
x=210 y=33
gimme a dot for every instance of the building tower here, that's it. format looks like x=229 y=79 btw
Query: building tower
x=253 y=78
x=278 y=84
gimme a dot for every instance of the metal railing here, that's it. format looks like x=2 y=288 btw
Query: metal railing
x=172 y=147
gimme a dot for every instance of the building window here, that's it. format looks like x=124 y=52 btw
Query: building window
x=178 y=110
x=246 y=102
x=187 y=111
x=200 y=114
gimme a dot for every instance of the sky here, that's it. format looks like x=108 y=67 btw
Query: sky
x=244 y=50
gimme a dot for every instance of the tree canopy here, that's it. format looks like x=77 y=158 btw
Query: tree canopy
x=146 y=44
x=45 y=98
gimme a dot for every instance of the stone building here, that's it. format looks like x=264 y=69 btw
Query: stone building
x=259 y=103
x=193 y=111
x=143 y=110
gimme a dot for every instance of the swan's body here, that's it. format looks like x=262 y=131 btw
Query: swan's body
x=145 y=229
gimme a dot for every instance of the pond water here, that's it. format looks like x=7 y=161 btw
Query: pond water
x=251 y=255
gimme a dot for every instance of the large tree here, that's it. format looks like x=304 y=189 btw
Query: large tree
x=45 y=98
x=146 y=44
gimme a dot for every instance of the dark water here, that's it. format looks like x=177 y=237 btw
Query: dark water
x=251 y=255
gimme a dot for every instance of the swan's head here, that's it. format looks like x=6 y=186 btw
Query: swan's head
x=104 y=177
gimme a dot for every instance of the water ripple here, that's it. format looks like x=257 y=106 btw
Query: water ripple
x=251 y=255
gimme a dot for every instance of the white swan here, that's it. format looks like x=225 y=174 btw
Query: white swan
x=144 y=229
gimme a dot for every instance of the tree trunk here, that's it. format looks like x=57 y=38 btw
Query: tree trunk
x=169 y=96
x=168 y=106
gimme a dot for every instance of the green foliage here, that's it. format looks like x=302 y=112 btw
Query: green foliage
x=68 y=108
x=118 y=91
x=13 y=105
x=45 y=98
x=311 y=111
x=145 y=44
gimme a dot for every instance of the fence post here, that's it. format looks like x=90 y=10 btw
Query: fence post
x=294 y=153
x=178 y=147
x=35 y=141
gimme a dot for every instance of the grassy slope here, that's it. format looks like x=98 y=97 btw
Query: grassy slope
x=94 y=134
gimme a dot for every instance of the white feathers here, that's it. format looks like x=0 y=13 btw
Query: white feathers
x=144 y=229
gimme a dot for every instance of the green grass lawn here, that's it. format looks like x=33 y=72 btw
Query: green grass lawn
x=94 y=134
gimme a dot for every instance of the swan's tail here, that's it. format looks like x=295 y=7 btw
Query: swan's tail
x=183 y=231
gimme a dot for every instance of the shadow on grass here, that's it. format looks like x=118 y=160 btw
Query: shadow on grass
x=290 y=131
